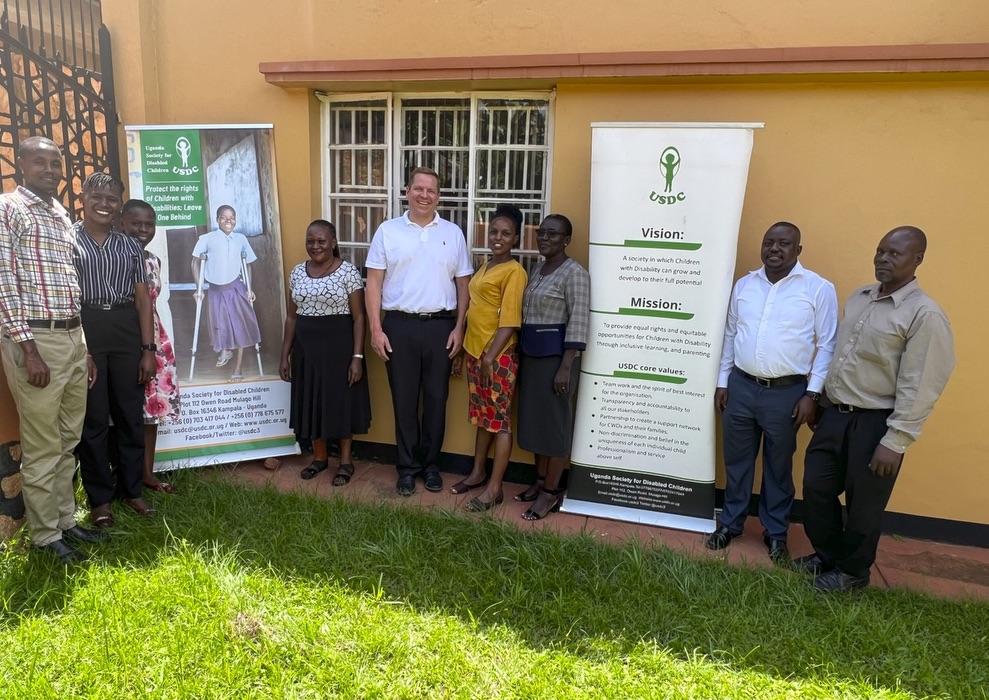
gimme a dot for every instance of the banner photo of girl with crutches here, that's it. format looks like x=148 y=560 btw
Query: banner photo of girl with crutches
x=222 y=287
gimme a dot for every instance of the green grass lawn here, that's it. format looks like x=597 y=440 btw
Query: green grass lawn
x=235 y=592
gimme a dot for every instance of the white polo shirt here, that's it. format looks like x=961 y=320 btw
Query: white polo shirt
x=420 y=264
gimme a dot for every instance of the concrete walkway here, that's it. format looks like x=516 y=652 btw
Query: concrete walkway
x=943 y=570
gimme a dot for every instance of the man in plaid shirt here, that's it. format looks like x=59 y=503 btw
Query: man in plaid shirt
x=43 y=346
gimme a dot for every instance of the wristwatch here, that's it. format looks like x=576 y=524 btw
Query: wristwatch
x=815 y=396
x=150 y=346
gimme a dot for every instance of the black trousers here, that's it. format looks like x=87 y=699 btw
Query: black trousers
x=838 y=461
x=759 y=416
x=418 y=370
x=114 y=341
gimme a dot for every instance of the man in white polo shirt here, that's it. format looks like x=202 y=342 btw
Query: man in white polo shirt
x=417 y=273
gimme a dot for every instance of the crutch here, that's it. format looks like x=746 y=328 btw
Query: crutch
x=250 y=298
x=199 y=312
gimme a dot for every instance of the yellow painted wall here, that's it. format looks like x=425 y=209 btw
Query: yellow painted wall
x=846 y=160
x=847 y=163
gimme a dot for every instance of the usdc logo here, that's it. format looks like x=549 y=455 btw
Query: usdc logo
x=184 y=149
x=669 y=166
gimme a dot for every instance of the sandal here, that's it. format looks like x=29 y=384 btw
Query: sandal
x=462 y=487
x=223 y=358
x=476 y=505
x=237 y=377
x=101 y=517
x=557 y=500
x=531 y=493
x=318 y=465
x=344 y=472
x=161 y=487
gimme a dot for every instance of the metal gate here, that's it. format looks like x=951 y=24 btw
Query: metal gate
x=56 y=80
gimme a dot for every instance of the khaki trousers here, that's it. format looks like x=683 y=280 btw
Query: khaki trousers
x=51 y=422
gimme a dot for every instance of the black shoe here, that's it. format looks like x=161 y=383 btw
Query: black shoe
x=838 y=580
x=63 y=551
x=778 y=553
x=406 y=485
x=812 y=564
x=77 y=533
x=433 y=481
x=721 y=538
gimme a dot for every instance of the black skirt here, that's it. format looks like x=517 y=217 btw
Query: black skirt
x=545 y=418
x=323 y=405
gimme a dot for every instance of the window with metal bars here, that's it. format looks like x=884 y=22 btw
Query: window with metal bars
x=487 y=148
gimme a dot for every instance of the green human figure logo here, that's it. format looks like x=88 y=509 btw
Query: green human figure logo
x=669 y=164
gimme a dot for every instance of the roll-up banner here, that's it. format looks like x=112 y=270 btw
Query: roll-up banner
x=666 y=201
x=228 y=412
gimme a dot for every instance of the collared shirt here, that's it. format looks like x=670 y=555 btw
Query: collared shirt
x=894 y=352
x=108 y=271
x=420 y=264
x=37 y=278
x=782 y=329
x=224 y=255
x=562 y=297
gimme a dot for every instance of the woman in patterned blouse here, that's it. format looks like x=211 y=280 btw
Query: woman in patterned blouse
x=323 y=351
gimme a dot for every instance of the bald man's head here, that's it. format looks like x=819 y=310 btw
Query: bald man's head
x=898 y=255
x=33 y=142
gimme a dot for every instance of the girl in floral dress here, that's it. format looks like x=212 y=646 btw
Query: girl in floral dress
x=161 y=394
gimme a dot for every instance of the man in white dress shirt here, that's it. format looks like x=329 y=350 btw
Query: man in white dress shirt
x=779 y=339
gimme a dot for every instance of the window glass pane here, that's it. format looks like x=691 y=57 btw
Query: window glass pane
x=344 y=130
x=511 y=173
x=512 y=122
x=378 y=126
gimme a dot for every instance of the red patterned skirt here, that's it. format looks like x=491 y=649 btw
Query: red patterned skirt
x=490 y=408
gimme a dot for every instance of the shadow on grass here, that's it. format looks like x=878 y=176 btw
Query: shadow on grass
x=567 y=593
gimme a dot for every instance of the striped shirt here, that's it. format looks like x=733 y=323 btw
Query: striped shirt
x=108 y=272
x=37 y=278
x=561 y=297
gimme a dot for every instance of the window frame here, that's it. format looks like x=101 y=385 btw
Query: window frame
x=394 y=196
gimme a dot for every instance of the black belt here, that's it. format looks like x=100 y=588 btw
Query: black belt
x=64 y=324
x=108 y=307
x=424 y=317
x=775 y=381
x=845 y=408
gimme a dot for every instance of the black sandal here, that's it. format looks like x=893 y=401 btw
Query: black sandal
x=318 y=465
x=462 y=487
x=476 y=505
x=533 y=514
x=344 y=472
x=531 y=493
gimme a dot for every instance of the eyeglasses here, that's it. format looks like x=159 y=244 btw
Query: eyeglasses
x=548 y=233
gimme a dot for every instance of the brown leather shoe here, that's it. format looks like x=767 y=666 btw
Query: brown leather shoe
x=101 y=517
x=140 y=506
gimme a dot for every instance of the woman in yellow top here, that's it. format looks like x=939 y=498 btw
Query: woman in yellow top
x=493 y=320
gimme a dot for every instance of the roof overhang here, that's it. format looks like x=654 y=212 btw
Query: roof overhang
x=548 y=70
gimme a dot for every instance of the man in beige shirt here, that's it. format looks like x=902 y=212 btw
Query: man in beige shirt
x=893 y=357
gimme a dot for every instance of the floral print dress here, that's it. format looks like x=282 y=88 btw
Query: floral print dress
x=161 y=394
